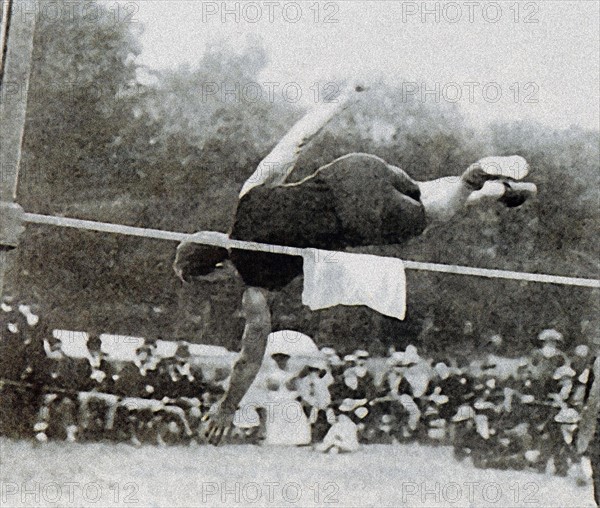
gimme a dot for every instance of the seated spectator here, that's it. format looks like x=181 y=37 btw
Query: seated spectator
x=94 y=413
x=60 y=415
x=129 y=382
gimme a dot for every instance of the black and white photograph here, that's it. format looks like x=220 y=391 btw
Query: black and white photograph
x=299 y=253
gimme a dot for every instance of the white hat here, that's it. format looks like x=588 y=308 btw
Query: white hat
x=408 y=357
x=292 y=343
x=550 y=334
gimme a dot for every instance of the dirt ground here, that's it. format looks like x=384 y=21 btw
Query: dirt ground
x=107 y=475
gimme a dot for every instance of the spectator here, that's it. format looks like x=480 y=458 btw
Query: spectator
x=588 y=440
x=129 y=382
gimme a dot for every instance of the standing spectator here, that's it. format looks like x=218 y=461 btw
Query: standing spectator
x=22 y=359
x=14 y=342
x=102 y=370
x=588 y=439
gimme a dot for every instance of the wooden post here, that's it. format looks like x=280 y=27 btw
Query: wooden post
x=18 y=27
x=3 y=32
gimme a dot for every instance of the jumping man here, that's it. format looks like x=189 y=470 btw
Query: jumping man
x=356 y=200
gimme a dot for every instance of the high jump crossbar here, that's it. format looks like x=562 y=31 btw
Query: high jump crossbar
x=222 y=240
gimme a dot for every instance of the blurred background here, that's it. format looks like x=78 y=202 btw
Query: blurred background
x=120 y=128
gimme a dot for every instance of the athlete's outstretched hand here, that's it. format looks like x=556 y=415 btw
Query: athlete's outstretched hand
x=217 y=423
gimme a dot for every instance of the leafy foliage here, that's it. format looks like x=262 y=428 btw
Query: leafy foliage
x=169 y=154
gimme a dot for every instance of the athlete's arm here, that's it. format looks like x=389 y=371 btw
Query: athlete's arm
x=254 y=342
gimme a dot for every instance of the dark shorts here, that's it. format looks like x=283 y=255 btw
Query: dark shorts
x=357 y=200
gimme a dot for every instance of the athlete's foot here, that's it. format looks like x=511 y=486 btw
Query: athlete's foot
x=507 y=192
x=488 y=169
x=516 y=193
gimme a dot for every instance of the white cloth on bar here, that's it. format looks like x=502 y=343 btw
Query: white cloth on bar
x=340 y=278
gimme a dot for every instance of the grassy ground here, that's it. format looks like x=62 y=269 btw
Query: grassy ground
x=61 y=474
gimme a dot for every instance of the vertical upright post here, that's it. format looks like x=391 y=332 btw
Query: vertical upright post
x=16 y=37
x=3 y=32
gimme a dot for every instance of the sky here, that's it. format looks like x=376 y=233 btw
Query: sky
x=503 y=60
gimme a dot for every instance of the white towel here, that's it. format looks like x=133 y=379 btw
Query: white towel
x=342 y=278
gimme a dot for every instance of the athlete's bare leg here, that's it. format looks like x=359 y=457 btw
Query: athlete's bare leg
x=274 y=169
x=483 y=183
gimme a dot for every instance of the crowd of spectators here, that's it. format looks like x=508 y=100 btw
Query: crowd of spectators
x=502 y=412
